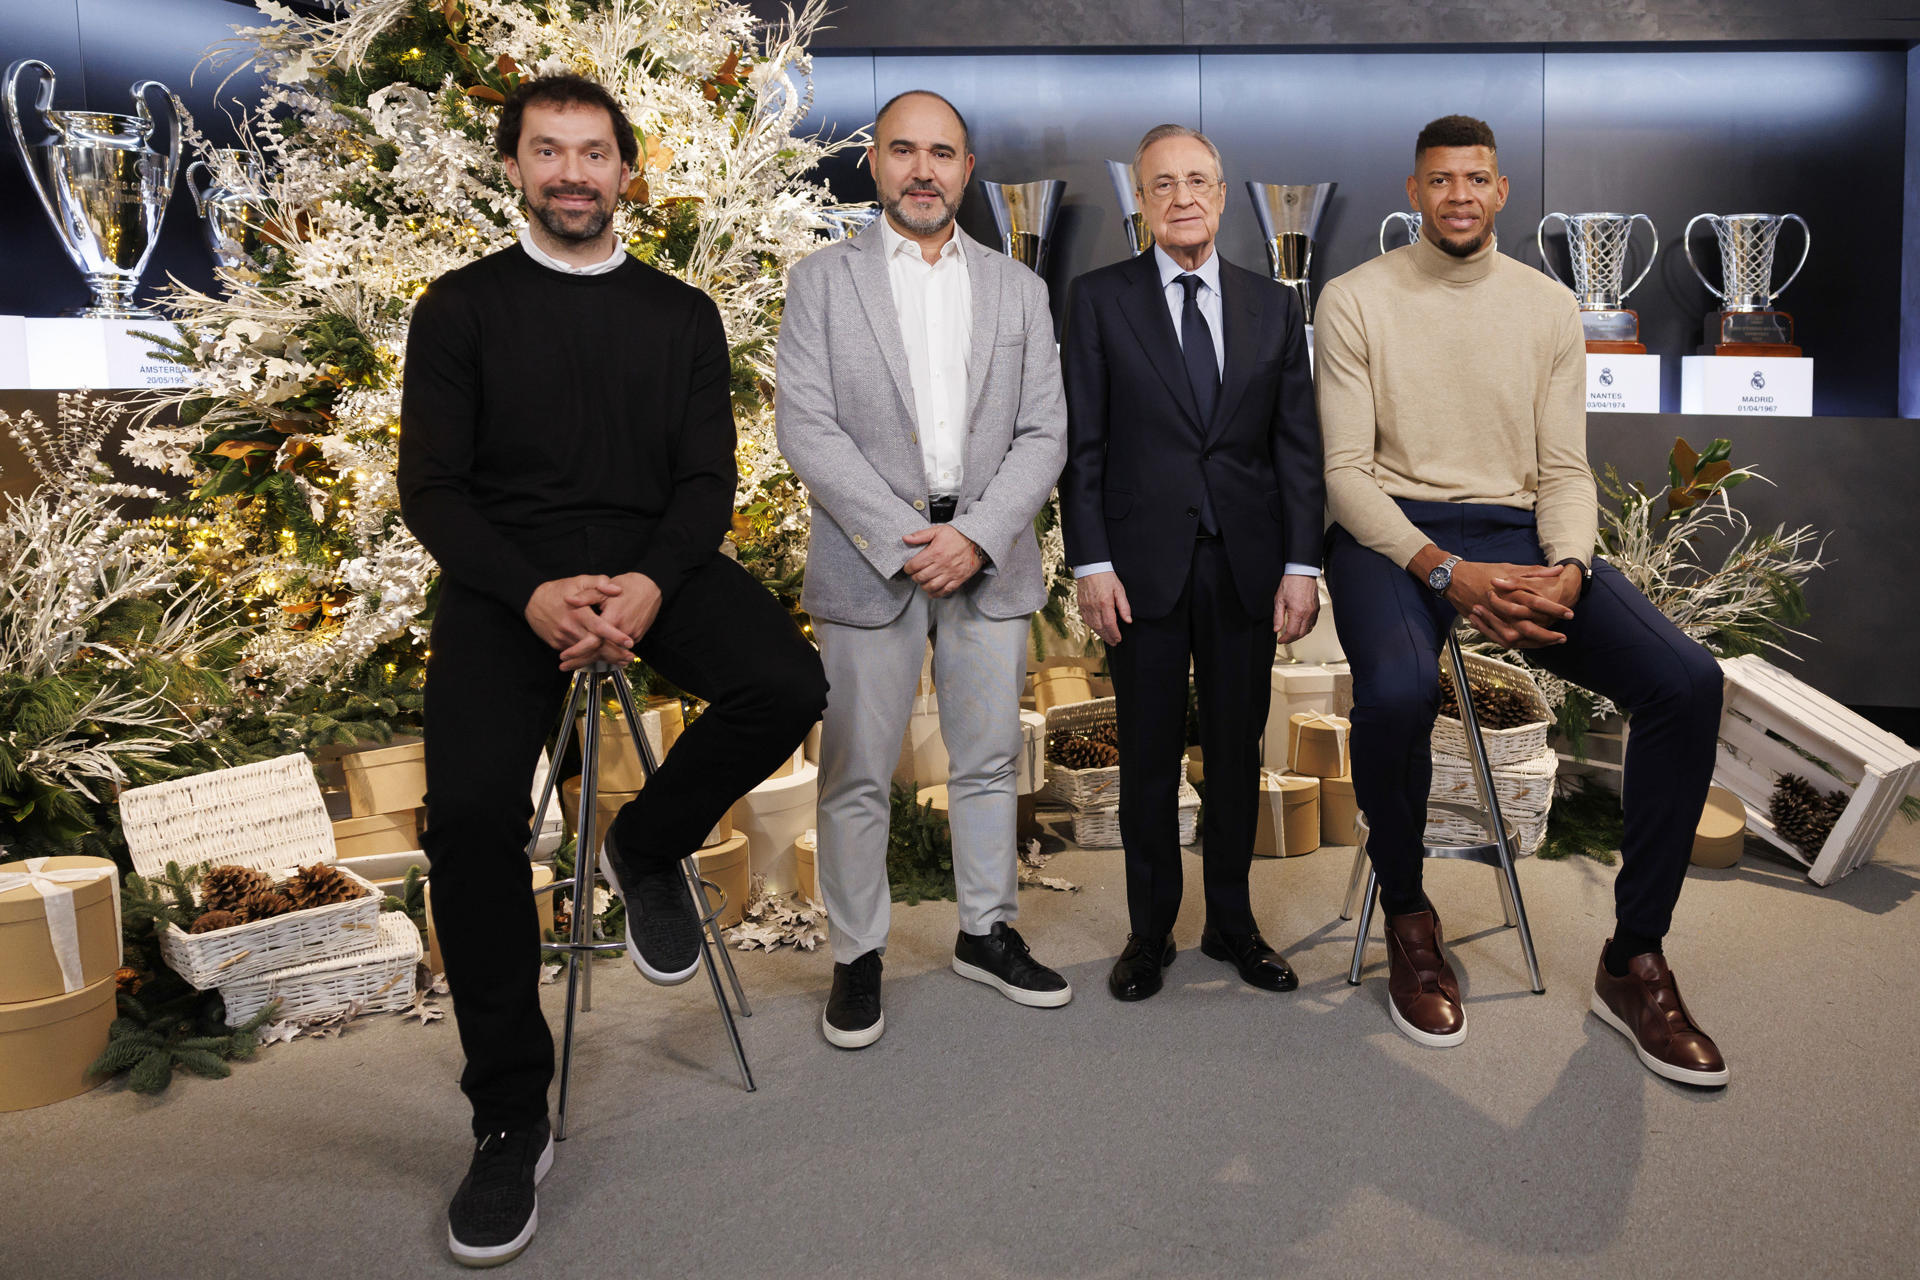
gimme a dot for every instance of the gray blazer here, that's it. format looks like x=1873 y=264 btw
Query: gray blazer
x=844 y=415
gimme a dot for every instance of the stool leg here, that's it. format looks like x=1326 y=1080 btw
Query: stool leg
x=1366 y=923
x=1490 y=800
x=1354 y=880
x=586 y=848
x=710 y=940
x=553 y=764
x=708 y=945
x=572 y=959
x=1506 y=898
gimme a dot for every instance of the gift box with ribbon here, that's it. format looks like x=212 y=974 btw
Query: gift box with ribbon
x=1287 y=823
x=1337 y=810
x=1317 y=745
x=59 y=926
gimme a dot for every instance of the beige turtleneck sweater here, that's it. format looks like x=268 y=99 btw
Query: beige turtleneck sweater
x=1450 y=379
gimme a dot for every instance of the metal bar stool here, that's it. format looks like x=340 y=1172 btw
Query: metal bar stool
x=586 y=694
x=1496 y=853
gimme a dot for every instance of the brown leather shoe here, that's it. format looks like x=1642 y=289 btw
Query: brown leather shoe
x=1645 y=1007
x=1423 y=995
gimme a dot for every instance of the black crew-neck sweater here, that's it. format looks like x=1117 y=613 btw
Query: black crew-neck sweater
x=537 y=404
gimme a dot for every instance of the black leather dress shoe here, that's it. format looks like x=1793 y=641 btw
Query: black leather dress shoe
x=1257 y=962
x=1136 y=974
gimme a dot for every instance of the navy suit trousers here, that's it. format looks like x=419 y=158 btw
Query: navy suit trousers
x=1618 y=645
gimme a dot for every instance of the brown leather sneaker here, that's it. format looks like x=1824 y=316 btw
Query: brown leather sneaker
x=1645 y=1007
x=1423 y=995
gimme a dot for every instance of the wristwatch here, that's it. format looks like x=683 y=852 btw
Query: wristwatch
x=1440 y=577
x=1586 y=571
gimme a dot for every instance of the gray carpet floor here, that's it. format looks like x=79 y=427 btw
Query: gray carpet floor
x=1211 y=1131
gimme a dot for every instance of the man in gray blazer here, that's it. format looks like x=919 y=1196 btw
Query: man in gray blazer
x=920 y=402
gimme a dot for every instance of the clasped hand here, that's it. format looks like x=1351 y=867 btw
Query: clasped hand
x=593 y=618
x=1517 y=605
x=946 y=560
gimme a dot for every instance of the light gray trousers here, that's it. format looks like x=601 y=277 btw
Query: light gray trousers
x=979 y=670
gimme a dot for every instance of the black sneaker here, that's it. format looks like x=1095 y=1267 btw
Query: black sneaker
x=852 y=1018
x=663 y=927
x=495 y=1212
x=1001 y=960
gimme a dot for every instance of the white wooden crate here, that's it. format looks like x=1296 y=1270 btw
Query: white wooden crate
x=1767 y=715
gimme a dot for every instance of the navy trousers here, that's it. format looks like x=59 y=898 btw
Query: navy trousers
x=1618 y=645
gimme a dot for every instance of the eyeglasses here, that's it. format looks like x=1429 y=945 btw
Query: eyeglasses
x=1163 y=188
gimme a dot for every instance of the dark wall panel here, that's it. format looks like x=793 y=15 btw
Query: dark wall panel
x=123 y=41
x=1352 y=119
x=1910 y=251
x=1819 y=134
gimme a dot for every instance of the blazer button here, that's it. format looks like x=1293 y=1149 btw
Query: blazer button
x=859 y=542
x=919 y=505
x=1193 y=511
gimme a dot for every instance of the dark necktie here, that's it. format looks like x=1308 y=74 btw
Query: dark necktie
x=1196 y=345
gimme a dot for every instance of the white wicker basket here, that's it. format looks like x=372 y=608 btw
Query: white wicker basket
x=269 y=816
x=1525 y=789
x=1081 y=788
x=375 y=978
x=264 y=815
x=1504 y=746
x=1100 y=828
x=1447 y=828
x=298 y=937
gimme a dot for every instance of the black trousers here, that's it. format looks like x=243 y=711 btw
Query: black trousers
x=1232 y=660
x=1618 y=645
x=494 y=694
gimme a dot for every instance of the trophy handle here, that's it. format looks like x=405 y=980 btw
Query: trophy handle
x=1806 y=247
x=199 y=195
x=1686 y=238
x=1651 y=255
x=1540 y=242
x=175 y=110
x=43 y=100
x=1398 y=216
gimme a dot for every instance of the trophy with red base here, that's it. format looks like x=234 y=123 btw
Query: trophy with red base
x=1597 y=247
x=1747 y=325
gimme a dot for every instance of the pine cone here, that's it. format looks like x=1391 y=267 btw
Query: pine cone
x=319 y=885
x=1109 y=733
x=1075 y=752
x=211 y=920
x=264 y=904
x=1802 y=815
x=1497 y=706
x=223 y=888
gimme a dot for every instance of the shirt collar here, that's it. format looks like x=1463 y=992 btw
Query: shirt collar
x=1208 y=271
x=546 y=259
x=897 y=243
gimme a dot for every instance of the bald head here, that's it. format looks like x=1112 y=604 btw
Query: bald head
x=880 y=121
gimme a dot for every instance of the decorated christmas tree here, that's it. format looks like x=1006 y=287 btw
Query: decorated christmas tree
x=375 y=138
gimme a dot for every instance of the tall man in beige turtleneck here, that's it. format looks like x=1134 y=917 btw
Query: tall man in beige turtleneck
x=1451 y=386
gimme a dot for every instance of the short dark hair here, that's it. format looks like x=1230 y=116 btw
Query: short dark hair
x=563 y=91
x=1454 y=131
x=966 y=135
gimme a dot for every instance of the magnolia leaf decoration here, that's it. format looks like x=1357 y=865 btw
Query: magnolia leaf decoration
x=1692 y=477
x=783 y=920
x=425 y=1010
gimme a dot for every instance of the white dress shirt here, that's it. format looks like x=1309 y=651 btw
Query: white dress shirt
x=935 y=305
x=545 y=259
x=1207 y=298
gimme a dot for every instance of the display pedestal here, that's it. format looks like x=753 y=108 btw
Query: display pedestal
x=1622 y=383
x=1769 y=386
x=59 y=354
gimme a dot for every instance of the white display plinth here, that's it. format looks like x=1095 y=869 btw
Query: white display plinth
x=58 y=354
x=13 y=353
x=1623 y=383
x=1771 y=386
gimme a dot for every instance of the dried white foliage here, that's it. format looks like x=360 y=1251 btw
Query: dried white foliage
x=779 y=920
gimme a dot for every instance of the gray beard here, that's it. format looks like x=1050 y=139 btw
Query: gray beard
x=588 y=231
x=897 y=210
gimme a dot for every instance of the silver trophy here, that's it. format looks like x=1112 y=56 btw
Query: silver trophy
x=232 y=207
x=1597 y=246
x=1126 y=185
x=1748 y=317
x=849 y=221
x=1289 y=216
x=1409 y=227
x=1024 y=214
x=102 y=187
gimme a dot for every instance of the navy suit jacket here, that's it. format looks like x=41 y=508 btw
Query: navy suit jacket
x=1139 y=459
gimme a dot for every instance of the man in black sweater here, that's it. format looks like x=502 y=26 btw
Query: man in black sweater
x=566 y=454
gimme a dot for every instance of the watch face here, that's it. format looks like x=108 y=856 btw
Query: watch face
x=1440 y=578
